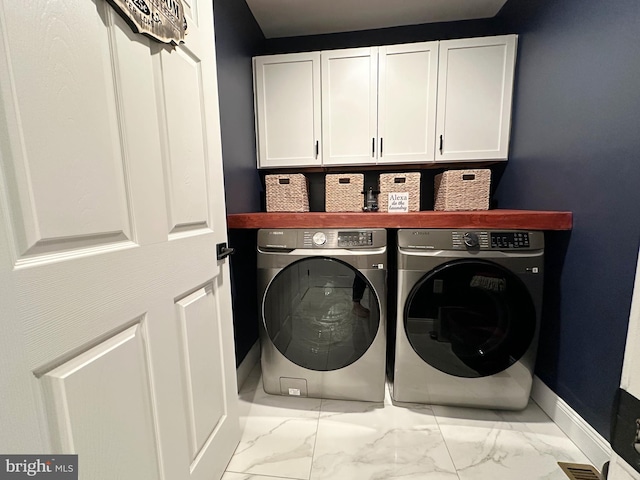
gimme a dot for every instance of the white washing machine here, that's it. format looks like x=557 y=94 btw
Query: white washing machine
x=468 y=316
x=322 y=294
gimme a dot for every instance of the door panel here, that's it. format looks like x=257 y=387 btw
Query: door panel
x=139 y=133
x=66 y=170
x=200 y=362
x=101 y=403
x=184 y=143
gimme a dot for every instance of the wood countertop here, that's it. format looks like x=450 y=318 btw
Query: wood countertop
x=499 y=219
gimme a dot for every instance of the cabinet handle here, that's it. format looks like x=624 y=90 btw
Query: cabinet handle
x=317 y=149
x=440 y=144
x=373 y=147
x=381 y=139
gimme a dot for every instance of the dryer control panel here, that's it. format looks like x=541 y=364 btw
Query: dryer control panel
x=509 y=240
x=470 y=240
x=493 y=240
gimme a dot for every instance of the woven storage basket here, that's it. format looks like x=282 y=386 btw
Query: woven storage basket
x=287 y=193
x=456 y=190
x=399 y=183
x=343 y=193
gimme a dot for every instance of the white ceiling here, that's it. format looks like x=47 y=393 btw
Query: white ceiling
x=290 y=18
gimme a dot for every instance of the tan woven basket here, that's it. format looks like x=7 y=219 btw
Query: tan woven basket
x=287 y=193
x=399 y=183
x=343 y=193
x=456 y=190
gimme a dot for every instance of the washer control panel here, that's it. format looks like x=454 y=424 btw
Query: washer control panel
x=356 y=238
x=334 y=238
x=321 y=238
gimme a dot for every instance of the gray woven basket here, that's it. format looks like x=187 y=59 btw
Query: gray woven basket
x=287 y=193
x=459 y=190
x=399 y=183
x=343 y=193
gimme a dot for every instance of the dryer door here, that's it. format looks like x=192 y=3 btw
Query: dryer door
x=470 y=318
x=312 y=314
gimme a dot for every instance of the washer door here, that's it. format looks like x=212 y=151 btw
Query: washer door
x=310 y=315
x=470 y=318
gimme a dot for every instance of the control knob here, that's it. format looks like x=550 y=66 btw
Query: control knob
x=470 y=239
x=319 y=238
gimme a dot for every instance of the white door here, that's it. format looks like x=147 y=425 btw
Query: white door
x=630 y=381
x=407 y=89
x=350 y=106
x=116 y=323
x=287 y=92
x=475 y=88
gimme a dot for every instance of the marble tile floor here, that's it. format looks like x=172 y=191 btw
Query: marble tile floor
x=312 y=439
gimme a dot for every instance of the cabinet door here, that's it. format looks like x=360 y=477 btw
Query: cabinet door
x=408 y=76
x=349 y=106
x=287 y=93
x=475 y=87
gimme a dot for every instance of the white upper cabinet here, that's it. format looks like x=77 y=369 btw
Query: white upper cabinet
x=407 y=86
x=379 y=104
x=287 y=103
x=422 y=102
x=349 y=106
x=475 y=88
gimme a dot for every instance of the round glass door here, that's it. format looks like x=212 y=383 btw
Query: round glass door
x=470 y=318
x=321 y=313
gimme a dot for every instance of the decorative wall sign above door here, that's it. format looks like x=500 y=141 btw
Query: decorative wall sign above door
x=162 y=20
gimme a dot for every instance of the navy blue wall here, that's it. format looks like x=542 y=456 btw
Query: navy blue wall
x=384 y=36
x=238 y=38
x=575 y=146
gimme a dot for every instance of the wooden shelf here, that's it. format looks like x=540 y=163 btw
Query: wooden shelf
x=501 y=219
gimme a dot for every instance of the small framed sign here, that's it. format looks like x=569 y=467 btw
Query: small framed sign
x=398 y=202
x=162 y=20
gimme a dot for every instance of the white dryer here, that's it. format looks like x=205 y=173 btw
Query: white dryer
x=468 y=316
x=322 y=294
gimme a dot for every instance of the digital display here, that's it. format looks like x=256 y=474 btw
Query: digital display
x=510 y=240
x=355 y=239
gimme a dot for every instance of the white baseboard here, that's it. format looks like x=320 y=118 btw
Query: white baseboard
x=621 y=470
x=592 y=444
x=250 y=361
